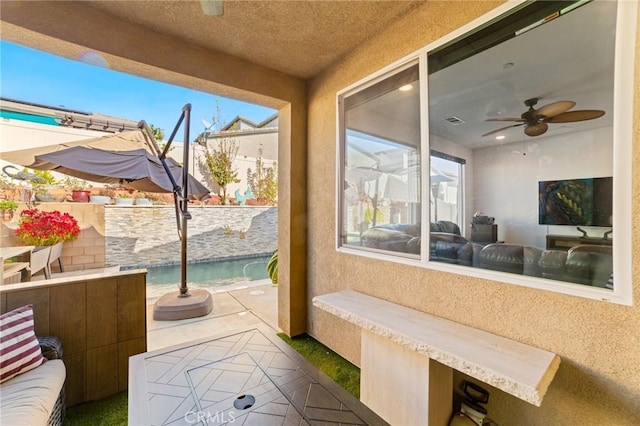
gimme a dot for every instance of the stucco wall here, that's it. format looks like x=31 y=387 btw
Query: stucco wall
x=598 y=380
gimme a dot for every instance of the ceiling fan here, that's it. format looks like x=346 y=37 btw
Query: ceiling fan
x=535 y=120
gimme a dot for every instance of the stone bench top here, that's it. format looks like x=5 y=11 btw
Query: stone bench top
x=514 y=367
x=69 y=279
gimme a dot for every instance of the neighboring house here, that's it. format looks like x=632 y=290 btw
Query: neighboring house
x=29 y=125
x=65 y=118
x=315 y=62
x=251 y=138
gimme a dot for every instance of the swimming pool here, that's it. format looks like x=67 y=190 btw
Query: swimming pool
x=207 y=275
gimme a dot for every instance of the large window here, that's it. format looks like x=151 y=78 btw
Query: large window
x=522 y=118
x=381 y=200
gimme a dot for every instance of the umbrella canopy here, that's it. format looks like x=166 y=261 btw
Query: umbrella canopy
x=124 y=158
x=136 y=169
x=125 y=141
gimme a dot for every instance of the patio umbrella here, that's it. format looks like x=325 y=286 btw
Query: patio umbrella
x=124 y=141
x=137 y=169
x=123 y=158
x=134 y=159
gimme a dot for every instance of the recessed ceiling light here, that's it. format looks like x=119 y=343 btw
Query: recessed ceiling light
x=406 y=87
x=500 y=137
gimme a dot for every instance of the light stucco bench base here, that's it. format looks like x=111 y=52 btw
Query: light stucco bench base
x=406 y=353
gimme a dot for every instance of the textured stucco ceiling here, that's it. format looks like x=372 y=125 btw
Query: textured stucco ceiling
x=299 y=38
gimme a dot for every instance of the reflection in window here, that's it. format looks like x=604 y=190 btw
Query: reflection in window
x=381 y=157
x=520 y=126
x=446 y=188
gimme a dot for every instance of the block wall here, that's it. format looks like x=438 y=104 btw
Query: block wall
x=87 y=251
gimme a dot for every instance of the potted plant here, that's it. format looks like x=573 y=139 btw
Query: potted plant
x=9 y=189
x=8 y=207
x=46 y=187
x=79 y=189
x=42 y=228
x=104 y=195
x=124 y=199
x=272 y=267
x=142 y=199
x=48 y=231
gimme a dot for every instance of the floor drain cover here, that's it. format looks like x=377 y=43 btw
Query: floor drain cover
x=244 y=401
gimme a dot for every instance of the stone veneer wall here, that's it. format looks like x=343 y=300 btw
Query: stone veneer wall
x=87 y=251
x=144 y=236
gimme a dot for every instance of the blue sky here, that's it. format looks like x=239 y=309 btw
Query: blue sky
x=33 y=76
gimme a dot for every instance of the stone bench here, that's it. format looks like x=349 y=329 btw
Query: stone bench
x=406 y=354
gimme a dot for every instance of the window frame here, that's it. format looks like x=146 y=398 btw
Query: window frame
x=381 y=75
x=622 y=163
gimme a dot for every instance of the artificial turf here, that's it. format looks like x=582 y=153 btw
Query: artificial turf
x=113 y=410
x=333 y=365
x=105 y=412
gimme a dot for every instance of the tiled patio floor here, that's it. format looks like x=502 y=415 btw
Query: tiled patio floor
x=197 y=369
x=229 y=367
x=249 y=377
x=240 y=307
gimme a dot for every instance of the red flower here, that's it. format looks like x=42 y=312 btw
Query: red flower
x=40 y=228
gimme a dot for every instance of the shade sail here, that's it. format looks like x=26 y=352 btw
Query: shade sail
x=137 y=169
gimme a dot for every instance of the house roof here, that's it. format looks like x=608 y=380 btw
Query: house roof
x=236 y=123
x=235 y=128
x=62 y=116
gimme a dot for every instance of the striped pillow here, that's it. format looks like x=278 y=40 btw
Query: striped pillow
x=19 y=349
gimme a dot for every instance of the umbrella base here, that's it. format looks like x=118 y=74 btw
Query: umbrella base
x=172 y=306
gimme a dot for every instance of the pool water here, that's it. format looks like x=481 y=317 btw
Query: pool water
x=207 y=275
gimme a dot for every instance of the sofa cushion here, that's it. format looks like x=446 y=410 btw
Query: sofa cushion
x=502 y=257
x=445 y=226
x=552 y=264
x=29 y=398
x=19 y=348
x=386 y=239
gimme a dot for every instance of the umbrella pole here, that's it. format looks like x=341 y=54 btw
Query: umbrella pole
x=187 y=304
x=184 y=204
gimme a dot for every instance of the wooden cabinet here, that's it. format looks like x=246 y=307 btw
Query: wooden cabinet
x=565 y=242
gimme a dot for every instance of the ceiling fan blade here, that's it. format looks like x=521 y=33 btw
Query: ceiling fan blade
x=571 y=116
x=554 y=109
x=536 y=129
x=505 y=119
x=501 y=129
x=212 y=7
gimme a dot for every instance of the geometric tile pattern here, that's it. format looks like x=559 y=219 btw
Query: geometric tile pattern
x=242 y=379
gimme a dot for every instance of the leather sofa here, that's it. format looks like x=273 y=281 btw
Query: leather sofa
x=583 y=264
x=406 y=238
